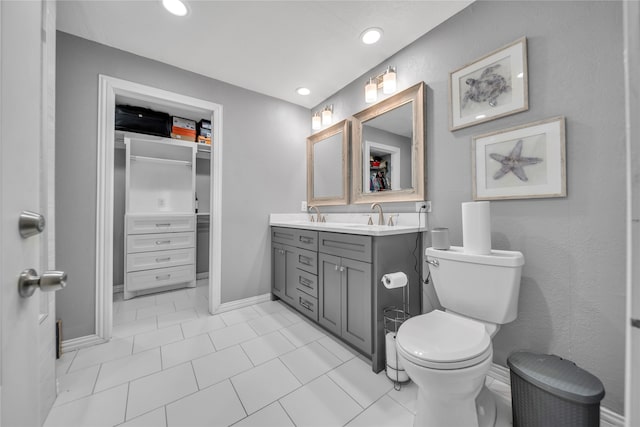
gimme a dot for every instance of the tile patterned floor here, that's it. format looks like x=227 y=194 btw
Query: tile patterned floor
x=170 y=363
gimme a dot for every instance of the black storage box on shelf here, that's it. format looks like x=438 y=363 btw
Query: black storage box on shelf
x=547 y=390
x=143 y=120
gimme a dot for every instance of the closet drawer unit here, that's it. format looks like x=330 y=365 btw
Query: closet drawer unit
x=345 y=245
x=306 y=260
x=307 y=283
x=160 y=223
x=148 y=279
x=160 y=259
x=306 y=305
x=305 y=239
x=160 y=242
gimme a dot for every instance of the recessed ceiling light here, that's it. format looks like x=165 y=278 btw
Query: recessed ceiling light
x=371 y=35
x=303 y=91
x=176 y=7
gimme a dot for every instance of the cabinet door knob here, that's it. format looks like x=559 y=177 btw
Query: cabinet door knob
x=341 y=268
x=336 y=268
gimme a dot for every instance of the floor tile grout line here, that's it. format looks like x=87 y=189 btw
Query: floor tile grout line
x=240 y=400
x=166 y=416
x=286 y=413
x=341 y=388
x=126 y=402
x=193 y=369
x=95 y=382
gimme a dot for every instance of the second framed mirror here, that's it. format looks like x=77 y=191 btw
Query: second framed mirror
x=388 y=147
x=327 y=166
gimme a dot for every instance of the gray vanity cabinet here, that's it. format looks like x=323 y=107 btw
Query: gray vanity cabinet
x=345 y=299
x=335 y=280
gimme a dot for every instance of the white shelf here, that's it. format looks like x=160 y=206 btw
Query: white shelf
x=159 y=160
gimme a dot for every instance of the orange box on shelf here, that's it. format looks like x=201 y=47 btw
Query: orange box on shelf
x=183 y=131
x=203 y=140
x=183 y=137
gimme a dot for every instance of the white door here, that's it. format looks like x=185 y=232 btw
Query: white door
x=27 y=65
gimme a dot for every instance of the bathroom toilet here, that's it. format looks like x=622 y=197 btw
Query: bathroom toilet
x=448 y=353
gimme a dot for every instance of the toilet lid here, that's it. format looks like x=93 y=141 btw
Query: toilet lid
x=443 y=338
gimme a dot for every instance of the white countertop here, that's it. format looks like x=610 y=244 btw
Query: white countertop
x=355 y=223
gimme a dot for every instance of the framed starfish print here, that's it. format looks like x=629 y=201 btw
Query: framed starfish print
x=493 y=86
x=523 y=162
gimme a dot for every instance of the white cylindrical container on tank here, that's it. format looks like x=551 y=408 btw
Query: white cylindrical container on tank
x=476 y=228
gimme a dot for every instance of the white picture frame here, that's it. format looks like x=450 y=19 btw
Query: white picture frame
x=522 y=162
x=490 y=87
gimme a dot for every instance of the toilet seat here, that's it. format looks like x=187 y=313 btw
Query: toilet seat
x=441 y=340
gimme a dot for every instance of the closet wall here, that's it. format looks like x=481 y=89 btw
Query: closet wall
x=264 y=170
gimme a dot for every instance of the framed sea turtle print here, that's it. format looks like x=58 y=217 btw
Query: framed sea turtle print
x=490 y=87
x=522 y=162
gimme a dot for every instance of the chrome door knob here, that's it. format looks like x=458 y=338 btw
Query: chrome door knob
x=31 y=223
x=50 y=281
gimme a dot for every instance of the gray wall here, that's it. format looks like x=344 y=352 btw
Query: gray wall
x=264 y=169
x=572 y=300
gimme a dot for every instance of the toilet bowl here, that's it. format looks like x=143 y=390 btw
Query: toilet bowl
x=448 y=353
x=448 y=357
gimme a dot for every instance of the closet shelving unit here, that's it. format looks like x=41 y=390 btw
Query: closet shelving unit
x=160 y=219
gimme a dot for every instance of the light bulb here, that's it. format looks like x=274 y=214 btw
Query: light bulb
x=389 y=81
x=326 y=116
x=371 y=91
x=315 y=122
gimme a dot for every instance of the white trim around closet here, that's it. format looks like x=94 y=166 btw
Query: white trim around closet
x=109 y=87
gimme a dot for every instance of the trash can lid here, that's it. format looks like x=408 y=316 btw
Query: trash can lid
x=558 y=376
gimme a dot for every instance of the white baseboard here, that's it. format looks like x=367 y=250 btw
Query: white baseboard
x=204 y=275
x=81 y=342
x=233 y=305
x=118 y=288
x=607 y=416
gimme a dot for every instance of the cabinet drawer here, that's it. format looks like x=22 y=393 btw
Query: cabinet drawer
x=345 y=245
x=307 y=283
x=148 y=279
x=305 y=239
x=160 y=259
x=306 y=305
x=142 y=224
x=160 y=241
x=306 y=260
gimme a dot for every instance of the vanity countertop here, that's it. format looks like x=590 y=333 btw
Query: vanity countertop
x=353 y=223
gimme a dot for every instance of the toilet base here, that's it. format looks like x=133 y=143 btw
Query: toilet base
x=482 y=414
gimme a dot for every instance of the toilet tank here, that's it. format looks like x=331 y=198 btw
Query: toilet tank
x=484 y=287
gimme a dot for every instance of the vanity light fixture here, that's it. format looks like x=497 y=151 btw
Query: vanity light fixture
x=323 y=117
x=176 y=7
x=371 y=35
x=386 y=81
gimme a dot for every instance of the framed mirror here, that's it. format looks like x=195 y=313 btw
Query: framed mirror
x=327 y=166
x=388 y=146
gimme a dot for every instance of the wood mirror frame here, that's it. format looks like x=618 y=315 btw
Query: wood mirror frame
x=312 y=199
x=415 y=95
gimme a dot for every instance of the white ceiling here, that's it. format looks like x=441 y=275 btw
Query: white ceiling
x=271 y=47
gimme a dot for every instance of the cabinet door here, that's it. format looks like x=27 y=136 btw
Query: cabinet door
x=330 y=293
x=278 y=270
x=356 y=304
x=290 y=290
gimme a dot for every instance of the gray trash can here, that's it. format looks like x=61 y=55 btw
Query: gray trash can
x=547 y=390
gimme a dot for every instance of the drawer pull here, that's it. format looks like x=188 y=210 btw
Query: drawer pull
x=305 y=239
x=166 y=224
x=335 y=268
x=305 y=260
x=163 y=259
x=163 y=242
x=305 y=282
x=305 y=304
x=165 y=277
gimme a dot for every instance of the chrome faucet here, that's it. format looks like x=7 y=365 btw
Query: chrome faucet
x=380 y=214
x=319 y=217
